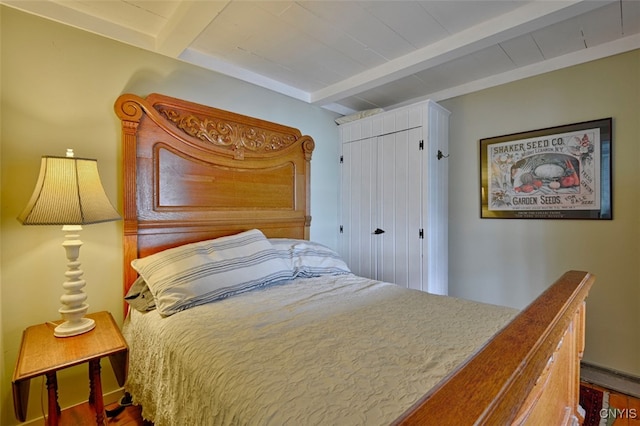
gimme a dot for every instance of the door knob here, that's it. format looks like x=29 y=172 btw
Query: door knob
x=378 y=231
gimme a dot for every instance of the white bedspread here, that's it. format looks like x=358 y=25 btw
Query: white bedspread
x=340 y=350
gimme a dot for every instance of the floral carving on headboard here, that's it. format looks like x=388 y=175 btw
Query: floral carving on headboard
x=236 y=136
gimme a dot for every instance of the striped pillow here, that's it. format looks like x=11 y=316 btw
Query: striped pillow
x=198 y=273
x=309 y=259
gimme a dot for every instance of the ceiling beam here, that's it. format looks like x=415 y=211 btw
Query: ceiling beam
x=531 y=17
x=600 y=51
x=189 y=20
x=195 y=57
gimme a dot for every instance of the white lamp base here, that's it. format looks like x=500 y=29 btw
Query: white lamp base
x=74 y=308
x=73 y=328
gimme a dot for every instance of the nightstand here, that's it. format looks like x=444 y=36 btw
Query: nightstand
x=41 y=353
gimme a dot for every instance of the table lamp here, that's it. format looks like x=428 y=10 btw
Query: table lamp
x=69 y=193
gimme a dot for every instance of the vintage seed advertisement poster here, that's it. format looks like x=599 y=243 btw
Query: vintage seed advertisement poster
x=557 y=175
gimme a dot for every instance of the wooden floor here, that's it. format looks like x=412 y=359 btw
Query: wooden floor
x=131 y=416
x=83 y=414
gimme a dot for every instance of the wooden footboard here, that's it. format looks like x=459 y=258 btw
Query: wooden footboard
x=527 y=374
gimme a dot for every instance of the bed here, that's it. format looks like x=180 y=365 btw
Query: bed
x=288 y=335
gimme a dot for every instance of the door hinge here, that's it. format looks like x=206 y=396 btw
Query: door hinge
x=421 y=144
x=341 y=159
x=421 y=233
x=341 y=229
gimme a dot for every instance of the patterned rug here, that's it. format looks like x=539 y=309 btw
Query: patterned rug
x=593 y=401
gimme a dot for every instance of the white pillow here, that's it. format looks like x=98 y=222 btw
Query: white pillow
x=198 y=273
x=140 y=297
x=309 y=259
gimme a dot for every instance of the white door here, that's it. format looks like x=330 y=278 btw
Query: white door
x=400 y=208
x=359 y=206
x=382 y=207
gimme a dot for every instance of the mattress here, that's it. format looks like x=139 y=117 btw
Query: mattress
x=313 y=351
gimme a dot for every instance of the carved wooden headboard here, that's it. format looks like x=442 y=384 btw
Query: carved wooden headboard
x=193 y=172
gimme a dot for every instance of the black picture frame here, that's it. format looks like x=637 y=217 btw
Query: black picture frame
x=561 y=172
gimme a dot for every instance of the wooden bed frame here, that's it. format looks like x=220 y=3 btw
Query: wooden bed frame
x=193 y=172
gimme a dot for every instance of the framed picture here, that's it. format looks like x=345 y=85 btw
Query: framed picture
x=560 y=172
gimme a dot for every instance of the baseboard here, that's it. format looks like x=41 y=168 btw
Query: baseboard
x=109 y=398
x=610 y=379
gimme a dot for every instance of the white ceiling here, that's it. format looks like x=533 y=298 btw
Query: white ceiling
x=350 y=56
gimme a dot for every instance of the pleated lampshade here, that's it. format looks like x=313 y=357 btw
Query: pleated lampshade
x=68 y=192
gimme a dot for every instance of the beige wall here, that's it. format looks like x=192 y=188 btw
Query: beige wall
x=59 y=85
x=512 y=261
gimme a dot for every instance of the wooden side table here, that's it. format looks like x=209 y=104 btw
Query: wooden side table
x=41 y=353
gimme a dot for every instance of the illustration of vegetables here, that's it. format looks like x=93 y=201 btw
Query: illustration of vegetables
x=571 y=179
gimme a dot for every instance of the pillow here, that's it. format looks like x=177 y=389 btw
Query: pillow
x=202 y=272
x=358 y=115
x=139 y=296
x=309 y=259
